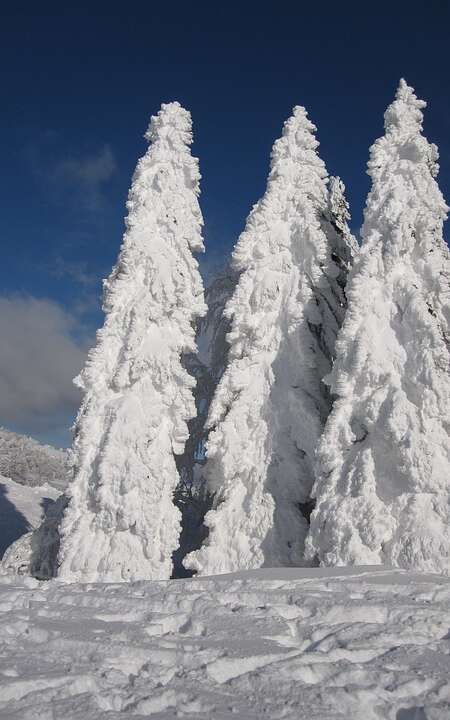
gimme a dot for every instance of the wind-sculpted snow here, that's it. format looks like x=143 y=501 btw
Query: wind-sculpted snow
x=121 y=523
x=281 y=644
x=383 y=489
x=270 y=405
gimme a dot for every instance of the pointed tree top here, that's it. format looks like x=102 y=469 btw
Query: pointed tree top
x=172 y=124
x=299 y=122
x=405 y=92
x=405 y=111
x=298 y=139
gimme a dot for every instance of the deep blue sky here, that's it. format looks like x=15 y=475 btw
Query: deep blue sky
x=79 y=84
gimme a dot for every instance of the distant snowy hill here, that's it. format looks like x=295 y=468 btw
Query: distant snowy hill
x=27 y=462
x=285 y=644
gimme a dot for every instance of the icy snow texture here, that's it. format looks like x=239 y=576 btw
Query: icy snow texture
x=121 y=523
x=286 y=644
x=383 y=488
x=27 y=462
x=271 y=404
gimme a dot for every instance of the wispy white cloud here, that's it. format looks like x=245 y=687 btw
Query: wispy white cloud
x=79 y=179
x=76 y=270
x=87 y=174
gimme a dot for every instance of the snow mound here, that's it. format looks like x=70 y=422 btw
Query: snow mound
x=284 y=644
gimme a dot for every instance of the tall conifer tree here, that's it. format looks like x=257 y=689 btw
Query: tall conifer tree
x=383 y=487
x=271 y=404
x=121 y=523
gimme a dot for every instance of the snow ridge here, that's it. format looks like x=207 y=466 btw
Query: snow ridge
x=384 y=459
x=121 y=523
x=270 y=405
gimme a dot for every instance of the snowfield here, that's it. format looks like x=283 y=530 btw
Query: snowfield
x=320 y=644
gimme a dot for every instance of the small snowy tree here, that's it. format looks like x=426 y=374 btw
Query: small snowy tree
x=121 y=522
x=270 y=406
x=383 y=487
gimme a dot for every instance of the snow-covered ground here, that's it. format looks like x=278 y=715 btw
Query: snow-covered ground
x=21 y=509
x=320 y=644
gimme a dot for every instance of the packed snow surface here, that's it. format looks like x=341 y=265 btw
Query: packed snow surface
x=321 y=644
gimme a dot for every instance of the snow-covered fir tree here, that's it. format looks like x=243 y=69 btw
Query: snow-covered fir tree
x=270 y=406
x=121 y=522
x=383 y=487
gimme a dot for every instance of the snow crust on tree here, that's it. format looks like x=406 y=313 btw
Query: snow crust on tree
x=28 y=462
x=383 y=486
x=270 y=405
x=121 y=522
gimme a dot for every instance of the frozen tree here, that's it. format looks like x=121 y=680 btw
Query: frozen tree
x=271 y=404
x=383 y=487
x=121 y=522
